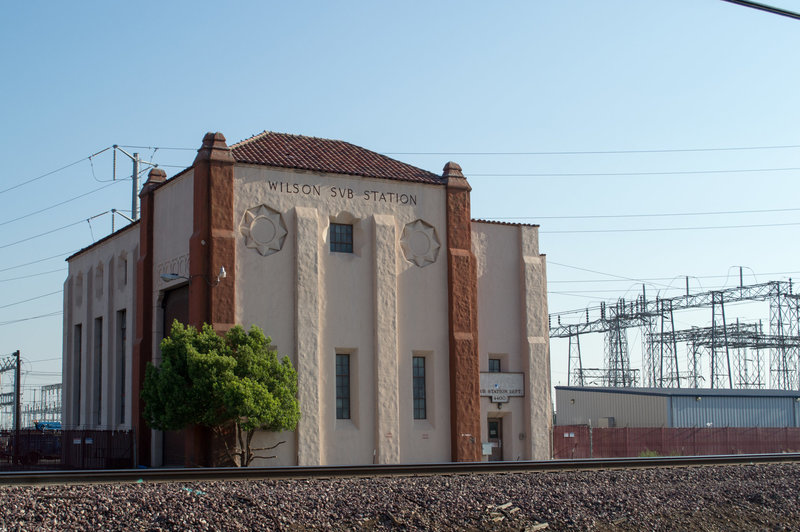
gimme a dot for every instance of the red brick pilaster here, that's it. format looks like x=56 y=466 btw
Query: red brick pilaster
x=213 y=241
x=143 y=343
x=462 y=291
x=212 y=246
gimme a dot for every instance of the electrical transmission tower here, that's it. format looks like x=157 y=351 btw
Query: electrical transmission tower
x=46 y=408
x=784 y=316
x=575 y=373
x=731 y=351
x=10 y=402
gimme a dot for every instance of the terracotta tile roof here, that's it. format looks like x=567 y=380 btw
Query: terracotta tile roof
x=324 y=155
x=477 y=220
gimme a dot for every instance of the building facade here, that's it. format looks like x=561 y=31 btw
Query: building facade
x=418 y=334
x=602 y=407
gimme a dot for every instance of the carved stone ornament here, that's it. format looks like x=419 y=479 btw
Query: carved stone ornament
x=263 y=229
x=419 y=243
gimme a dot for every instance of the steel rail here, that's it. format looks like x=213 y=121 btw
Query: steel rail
x=305 y=472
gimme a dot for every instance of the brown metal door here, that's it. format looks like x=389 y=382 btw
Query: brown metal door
x=176 y=307
x=495 y=438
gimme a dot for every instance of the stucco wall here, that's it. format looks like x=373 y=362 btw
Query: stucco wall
x=383 y=304
x=512 y=327
x=173 y=210
x=101 y=282
x=372 y=304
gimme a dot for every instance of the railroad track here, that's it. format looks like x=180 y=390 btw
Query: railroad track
x=320 y=472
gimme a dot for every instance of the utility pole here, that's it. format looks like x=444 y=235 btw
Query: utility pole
x=17 y=406
x=134 y=179
x=135 y=189
x=115 y=211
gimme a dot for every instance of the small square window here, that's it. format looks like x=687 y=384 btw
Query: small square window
x=342 y=238
x=494 y=365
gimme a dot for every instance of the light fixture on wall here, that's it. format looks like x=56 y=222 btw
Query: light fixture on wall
x=169 y=277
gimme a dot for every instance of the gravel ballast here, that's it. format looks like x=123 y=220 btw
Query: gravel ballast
x=753 y=497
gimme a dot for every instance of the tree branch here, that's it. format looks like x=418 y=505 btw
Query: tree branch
x=249 y=455
x=218 y=430
x=265 y=457
x=242 y=448
x=268 y=448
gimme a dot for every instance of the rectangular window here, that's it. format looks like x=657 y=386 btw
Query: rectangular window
x=122 y=341
x=342 y=238
x=78 y=339
x=494 y=365
x=342 y=386
x=98 y=353
x=418 y=366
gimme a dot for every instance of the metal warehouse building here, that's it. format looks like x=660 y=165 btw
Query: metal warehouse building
x=676 y=408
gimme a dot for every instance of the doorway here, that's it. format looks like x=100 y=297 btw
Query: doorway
x=175 y=306
x=495 y=438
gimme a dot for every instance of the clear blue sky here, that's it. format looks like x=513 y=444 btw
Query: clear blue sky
x=469 y=81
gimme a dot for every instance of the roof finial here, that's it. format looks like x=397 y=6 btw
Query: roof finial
x=452 y=169
x=214 y=148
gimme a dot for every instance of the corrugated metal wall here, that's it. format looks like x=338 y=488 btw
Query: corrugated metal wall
x=717 y=411
x=668 y=408
x=578 y=407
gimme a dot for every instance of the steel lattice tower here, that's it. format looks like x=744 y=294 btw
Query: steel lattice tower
x=731 y=353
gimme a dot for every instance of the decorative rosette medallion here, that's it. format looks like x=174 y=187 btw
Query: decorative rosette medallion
x=263 y=229
x=419 y=243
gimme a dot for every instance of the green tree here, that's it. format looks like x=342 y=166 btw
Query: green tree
x=222 y=382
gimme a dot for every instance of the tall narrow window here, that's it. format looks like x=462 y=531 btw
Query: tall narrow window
x=342 y=386
x=76 y=381
x=98 y=354
x=122 y=340
x=418 y=366
x=494 y=365
x=342 y=238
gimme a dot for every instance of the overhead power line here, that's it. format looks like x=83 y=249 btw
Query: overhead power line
x=32 y=275
x=60 y=203
x=43 y=360
x=649 y=279
x=593 y=152
x=565 y=152
x=30 y=299
x=617 y=291
x=53 y=230
x=23 y=183
x=624 y=174
x=644 y=215
x=765 y=7
x=64 y=254
x=659 y=229
x=57 y=313
x=154 y=147
x=602 y=273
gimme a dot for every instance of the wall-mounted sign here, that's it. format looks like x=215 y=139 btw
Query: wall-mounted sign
x=501 y=386
x=342 y=193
